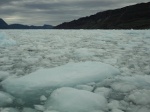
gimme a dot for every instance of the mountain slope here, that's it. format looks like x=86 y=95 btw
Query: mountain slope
x=3 y=24
x=130 y=17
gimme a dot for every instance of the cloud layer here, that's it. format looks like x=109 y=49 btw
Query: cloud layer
x=39 y=12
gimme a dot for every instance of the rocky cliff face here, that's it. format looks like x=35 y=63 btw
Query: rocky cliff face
x=3 y=24
x=130 y=17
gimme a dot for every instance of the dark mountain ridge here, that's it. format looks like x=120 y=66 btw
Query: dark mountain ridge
x=20 y=26
x=130 y=17
x=4 y=25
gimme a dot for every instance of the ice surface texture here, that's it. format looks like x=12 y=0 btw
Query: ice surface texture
x=42 y=82
x=127 y=50
x=73 y=100
x=5 y=40
x=5 y=99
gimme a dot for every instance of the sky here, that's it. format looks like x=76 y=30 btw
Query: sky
x=54 y=12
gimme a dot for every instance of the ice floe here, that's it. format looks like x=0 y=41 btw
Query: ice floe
x=73 y=100
x=44 y=81
x=5 y=99
x=5 y=41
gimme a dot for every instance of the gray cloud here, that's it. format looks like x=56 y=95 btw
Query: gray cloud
x=54 y=12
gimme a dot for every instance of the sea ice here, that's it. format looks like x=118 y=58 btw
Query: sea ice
x=73 y=100
x=140 y=97
x=103 y=91
x=84 y=87
x=123 y=87
x=114 y=104
x=127 y=50
x=10 y=110
x=117 y=110
x=5 y=99
x=129 y=83
x=82 y=53
x=43 y=98
x=3 y=75
x=29 y=110
x=5 y=41
x=139 y=108
x=31 y=87
x=39 y=107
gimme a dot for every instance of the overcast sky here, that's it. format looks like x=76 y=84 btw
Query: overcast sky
x=54 y=12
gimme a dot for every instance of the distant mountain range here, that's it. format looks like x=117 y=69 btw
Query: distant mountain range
x=4 y=25
x=20 y=26
x=130 y=17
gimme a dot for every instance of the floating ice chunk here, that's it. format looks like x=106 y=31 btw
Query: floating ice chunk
x=73 y=100
x=31 y=61
x=139 y=108
x=143 y=109
x=43 y=98
x=91 y=84
x=103 y=91
x=29 y=110
x=140 y=97
x=5 y=41
x=39 y=107
x=84 y=87
x=42 y=82
x=128 y=83
x=3 y=75
x=117 y=110
x=123 y=87
x=82 y=53
x=5 y=99
x=114 y=104
x=110 y=61
x=10 y=110
x=51 y=111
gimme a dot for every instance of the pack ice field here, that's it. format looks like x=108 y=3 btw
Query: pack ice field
x=74 y=71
